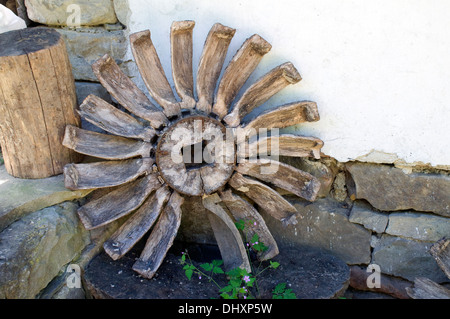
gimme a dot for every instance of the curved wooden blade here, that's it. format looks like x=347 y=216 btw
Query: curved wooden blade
x=105 y=174
x=237 y=72
x=111 y=119
x=227 y=236
x=281 y=117
x=267 y=199
x=152 y=72
x=282 y=175
x=210 y=65
x=137 y=225
x=284 y=145
x=161 y=238
x=267 y=86
x=126 y=92
x=181 y=54
x=242 y=210
x=118 y=202
x=104 y=145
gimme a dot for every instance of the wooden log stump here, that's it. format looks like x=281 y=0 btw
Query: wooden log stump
x=37 y=101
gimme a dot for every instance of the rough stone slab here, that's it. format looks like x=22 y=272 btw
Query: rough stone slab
x=57 y=12
x=424 y=227
x=310 y=273
x=83 y=89
x=87 y=45
x=19 y=197
x=324 y=224
x=390 y=189
x=363 y=214
x=406 y=258
x=34 y=249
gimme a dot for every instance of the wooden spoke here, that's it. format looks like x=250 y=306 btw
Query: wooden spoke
x=281 y=117
x=181 y=54
x=262 y=90
x=126 y=92
x=265 y=197
x=137 y=225
x=284 y=145
x=152 y=72
x=104 y=145
x=111 y=119
x=161 y=238
x=118 y=202
x=237 y=72
x=227 y=236
x=105 y=174
x=282 y=175
x=241 y=209
x=211 y=62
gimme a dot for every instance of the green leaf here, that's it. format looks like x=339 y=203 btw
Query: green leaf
x=240 y=225
x=225 y=295
x=183 y=257
x=189 y=273
x=274 y=264
x=235 y=283
x=279 y=288
x=217 y=262
x=186 y=267
x=218 y=270
x=235 y=272
x=254 y=238
x=207 y=267
x=250 y=283
x=289 y=295
x=226 y=289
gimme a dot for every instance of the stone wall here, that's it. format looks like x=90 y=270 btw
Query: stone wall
x=366 y=214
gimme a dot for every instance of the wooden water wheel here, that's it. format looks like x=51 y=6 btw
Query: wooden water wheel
x=190 y=147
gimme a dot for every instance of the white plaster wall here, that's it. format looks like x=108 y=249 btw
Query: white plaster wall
x=379 y=70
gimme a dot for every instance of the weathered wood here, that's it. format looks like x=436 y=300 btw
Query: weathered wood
x=237 y=72
x=265 y=197
x=267 y=86
x=210 y=65
x=393 y=286
x=227 y=236
x=282 y=145
x=425 y=288
x=111 y=119
x=282 y=175
x=105 y=174
x=161 y=238
x=255 y=224
x=181 y=54
x=37 y=101
x=203 y=177
x=281 y=117
x=152 y=72
x=104 y=145
x=137 y=225
x=118 y=202
x=441 y=253
x=126 y=92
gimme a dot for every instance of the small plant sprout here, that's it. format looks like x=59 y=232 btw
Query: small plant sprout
x=241 y=284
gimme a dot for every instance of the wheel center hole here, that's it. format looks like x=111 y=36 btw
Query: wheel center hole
x=196 y=155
